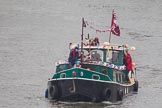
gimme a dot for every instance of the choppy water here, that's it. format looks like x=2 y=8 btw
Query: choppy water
x=36 y=33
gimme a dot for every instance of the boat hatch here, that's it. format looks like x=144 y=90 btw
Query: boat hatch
x=62 y=67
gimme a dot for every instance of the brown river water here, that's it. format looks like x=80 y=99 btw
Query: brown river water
x=34 y=34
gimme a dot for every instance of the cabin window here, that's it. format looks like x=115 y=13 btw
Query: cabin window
x=88 y=67
x=94 y=76
x=96 y=55
x=123 y=77
x=115 y=56
x=114 y=76
x=92 y=55
x=63 y=75
x=118 y=76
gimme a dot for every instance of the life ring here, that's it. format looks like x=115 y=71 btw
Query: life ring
x=107 y=94
x=53 y=92
x=136 y=86
x=120 y=95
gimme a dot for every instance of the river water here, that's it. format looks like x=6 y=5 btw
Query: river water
x=34 y=34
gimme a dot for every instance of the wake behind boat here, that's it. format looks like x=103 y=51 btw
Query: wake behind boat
x=94 y=72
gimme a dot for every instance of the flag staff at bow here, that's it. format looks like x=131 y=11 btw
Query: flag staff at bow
x=83 y=25
x=114 y=26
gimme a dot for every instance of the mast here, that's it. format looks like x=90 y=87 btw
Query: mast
x=82 y=41
x=109 y=36
x=112 y=20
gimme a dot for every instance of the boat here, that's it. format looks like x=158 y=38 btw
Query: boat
x=98 y=74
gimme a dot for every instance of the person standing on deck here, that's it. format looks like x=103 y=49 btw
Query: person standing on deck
x=73 y=56
x=96 y=41
x=128 y=64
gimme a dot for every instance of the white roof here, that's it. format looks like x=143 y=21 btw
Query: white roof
x=103 y=47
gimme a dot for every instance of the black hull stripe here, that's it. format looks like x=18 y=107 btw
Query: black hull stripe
x=126 y=85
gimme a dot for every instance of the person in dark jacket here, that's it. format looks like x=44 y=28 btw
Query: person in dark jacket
x=73 y=56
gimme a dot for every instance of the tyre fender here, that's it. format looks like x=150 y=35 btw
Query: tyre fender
x=136 y=86
x=107 y=94
x=120 y=95
x=53 y=92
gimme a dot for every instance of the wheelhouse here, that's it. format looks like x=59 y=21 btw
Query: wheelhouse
x=101 y=60
x=111 y=54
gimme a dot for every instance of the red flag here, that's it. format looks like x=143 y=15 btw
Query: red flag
x=114 y=26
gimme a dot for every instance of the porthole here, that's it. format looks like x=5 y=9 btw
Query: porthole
x=104 y=71
x=63 y=75
x=81 y=73
x=94 y=76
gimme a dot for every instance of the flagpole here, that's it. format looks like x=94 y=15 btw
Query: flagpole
x=82 y=41
x=109 y=36
x=111 y=25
